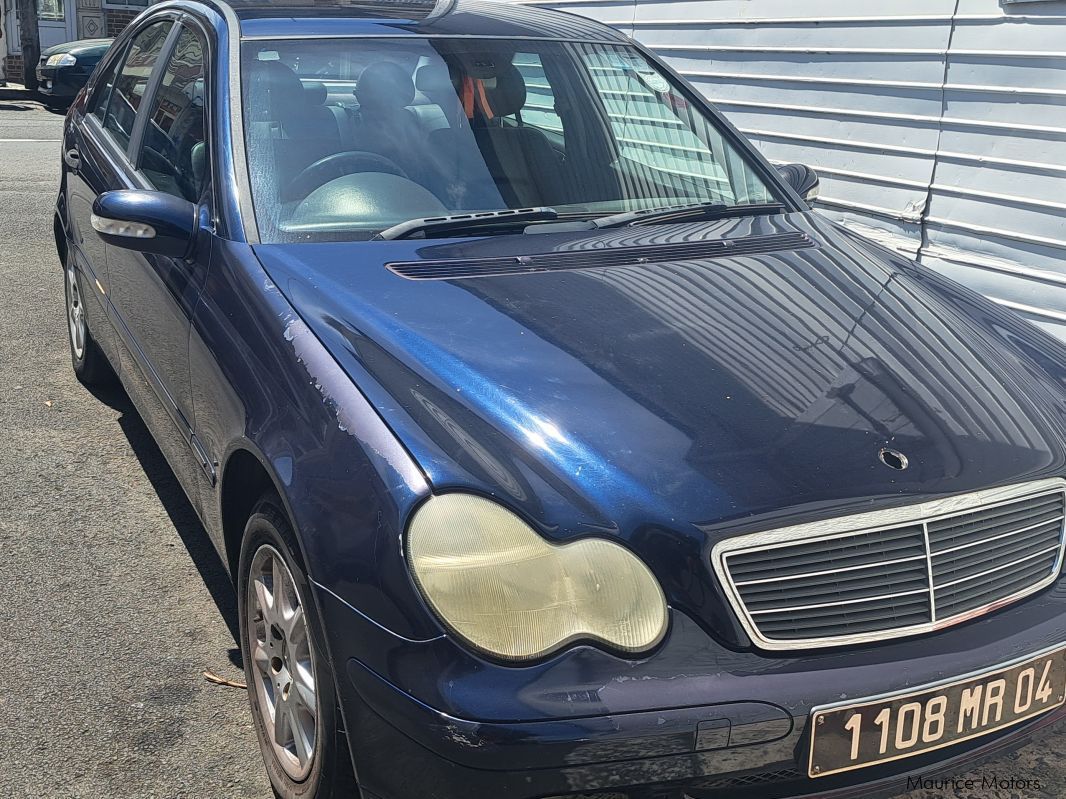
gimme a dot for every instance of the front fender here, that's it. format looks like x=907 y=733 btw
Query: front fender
x=263 y=383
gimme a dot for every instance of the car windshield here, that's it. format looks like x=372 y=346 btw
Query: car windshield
x=348 y=137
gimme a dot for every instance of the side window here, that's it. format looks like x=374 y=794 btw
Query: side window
x=539 y=108
x=173 y=154
x=129 y=88
x=103 y=89
x=660 y=138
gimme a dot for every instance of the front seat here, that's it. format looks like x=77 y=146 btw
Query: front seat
x=296 y=111
x=523 y=163
x=386 y=125
x=456 y=167
x=290 y=121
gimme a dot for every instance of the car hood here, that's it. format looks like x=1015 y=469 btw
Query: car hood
x=690 y=398
x=79 y=46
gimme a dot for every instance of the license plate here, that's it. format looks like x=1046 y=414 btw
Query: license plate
x=879 y=730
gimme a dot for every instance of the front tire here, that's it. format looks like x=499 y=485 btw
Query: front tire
x=89 y=362
x=290 y=680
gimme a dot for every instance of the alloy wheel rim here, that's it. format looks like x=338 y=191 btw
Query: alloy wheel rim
x=282 y=662
x=75 y=314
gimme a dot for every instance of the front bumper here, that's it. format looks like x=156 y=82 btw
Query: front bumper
x=61 y=82
x=695 y=719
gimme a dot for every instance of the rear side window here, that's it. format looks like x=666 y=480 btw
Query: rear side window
x=174 y=154
x=128 y=91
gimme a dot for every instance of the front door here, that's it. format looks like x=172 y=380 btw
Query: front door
x=153 y=296
x=148 y=298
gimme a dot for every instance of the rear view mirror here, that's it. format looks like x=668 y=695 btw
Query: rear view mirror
x=146 y=221
x=801 y=178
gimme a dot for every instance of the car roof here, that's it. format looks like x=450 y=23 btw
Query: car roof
x=289 y=18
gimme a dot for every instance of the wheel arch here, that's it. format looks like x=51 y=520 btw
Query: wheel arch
x=246 y=478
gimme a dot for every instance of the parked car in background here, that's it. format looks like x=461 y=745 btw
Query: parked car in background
x=64 y=69
x=554 y=444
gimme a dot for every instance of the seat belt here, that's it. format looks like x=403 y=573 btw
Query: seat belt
x=472 y=95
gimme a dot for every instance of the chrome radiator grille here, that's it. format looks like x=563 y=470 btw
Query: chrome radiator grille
x=896 y=572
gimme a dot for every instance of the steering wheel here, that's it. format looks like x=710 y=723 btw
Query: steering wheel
x=335 y=166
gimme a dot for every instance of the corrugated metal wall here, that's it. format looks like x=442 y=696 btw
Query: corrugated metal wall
x=938 y=126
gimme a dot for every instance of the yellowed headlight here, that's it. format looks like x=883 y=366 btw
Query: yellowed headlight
x=507 y=591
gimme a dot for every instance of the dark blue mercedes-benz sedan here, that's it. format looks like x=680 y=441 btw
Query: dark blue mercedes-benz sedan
x=555 y=446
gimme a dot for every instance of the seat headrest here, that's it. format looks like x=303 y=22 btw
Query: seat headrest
x=315 y=92
x=384 y=85
x=431 y=79
x=280 y=89
x=507 y=94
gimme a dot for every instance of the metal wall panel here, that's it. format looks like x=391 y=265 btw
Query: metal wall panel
x=999 y=226
x=938 y=126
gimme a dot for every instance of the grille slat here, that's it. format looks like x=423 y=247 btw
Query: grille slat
x=897 y=579
x=832 y=572
x=968 y=518
x=831 y=607
x=856 y=628
x=864 y=549
x=901 y=613
x=977 y=559
x=994 y=535
x=965 y=597
x=844 y=587
x=980 y=529
x=1043 y=553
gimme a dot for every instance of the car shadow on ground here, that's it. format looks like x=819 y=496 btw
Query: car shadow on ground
x=179 y=509
x=57 y=108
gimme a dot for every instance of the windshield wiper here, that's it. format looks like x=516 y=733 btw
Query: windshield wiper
x=662 y=215
x=460 y=222
x=685 y=213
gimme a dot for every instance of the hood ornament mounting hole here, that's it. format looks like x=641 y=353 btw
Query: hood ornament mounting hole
x=893 y=459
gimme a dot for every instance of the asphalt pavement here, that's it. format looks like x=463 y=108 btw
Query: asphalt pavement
x=112 y=600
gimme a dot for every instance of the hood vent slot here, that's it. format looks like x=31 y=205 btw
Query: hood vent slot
x=456 y=269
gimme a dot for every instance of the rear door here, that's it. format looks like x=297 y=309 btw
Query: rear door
x=95 y=153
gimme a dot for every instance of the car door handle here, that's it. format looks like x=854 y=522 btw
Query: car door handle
x=72 y=158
